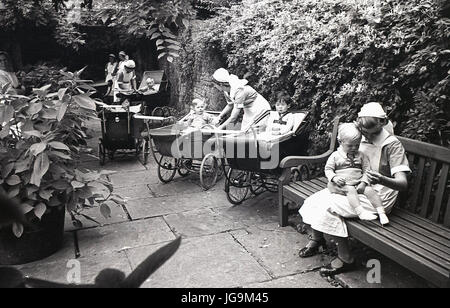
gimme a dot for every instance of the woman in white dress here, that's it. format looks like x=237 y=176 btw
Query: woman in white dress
x=325 y=212
x=239 y=96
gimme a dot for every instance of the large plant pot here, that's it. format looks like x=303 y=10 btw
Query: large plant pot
x=37 y=242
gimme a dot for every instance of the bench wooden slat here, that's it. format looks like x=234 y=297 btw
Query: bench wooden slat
x=427 y=191
x=324 y=180
x=418 y=182
x=294 y=195
x=411 y=246
x=414 y=233
x=420 y=148
x=300 y=187
x=319 y=183
x=422 y=231
x=309 y=186
x=424 y=223
x=416 y=263
x=440 y=193
x=314 y=185
x=410 y=236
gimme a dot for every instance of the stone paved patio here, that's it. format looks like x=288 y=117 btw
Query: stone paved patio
x=223 y=245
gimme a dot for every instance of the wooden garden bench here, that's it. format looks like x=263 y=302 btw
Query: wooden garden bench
x=418 y=236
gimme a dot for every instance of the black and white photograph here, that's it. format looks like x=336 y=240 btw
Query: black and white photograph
x=224 y=151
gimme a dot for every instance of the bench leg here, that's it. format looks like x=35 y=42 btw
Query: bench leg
x=282 y=209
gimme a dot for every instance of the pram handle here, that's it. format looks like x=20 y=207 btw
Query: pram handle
x=150 y=118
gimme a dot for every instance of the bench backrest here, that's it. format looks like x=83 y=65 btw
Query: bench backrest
x=428 y=193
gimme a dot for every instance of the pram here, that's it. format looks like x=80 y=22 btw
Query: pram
x=177 y=148
x=253 y=157
x=119 y=132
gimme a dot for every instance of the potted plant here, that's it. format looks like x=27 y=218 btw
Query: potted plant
x=41 y=141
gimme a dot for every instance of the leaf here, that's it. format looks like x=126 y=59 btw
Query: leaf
x=17 y=229
x=7 y=170
x=62 y=111
x=6 y=113
x=25 y=208
x=22 y=165
x=60 y=155
x=5 y=131
x=59 y=146
x=39 y=210
x=162 y=55
x=13 y=180
x=46 y=194
x=61 y=93
x=41 y=165
x=155 y=35
x=49 y=114
x=34 y=108
x=34 y=133
x=170 y=59
x=105 y=210
x=76 y=184
x=84 y=101
x=159 y=42
x=38 y=148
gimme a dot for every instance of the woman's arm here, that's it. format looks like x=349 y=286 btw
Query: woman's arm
x=233 y=117
x=398 y=182
x=225 y=110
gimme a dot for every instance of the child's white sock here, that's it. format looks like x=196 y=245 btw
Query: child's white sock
x=364 y=215
x=384 y=220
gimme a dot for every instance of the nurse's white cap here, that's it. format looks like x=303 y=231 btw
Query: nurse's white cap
x=221 y=75
x=372 y=109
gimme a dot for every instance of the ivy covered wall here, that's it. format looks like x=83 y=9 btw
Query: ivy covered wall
x=333 y=56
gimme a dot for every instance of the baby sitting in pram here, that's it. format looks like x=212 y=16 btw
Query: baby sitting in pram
x=281 y=121
x=197 y=118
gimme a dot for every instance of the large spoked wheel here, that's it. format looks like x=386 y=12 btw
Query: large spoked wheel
x=209 y=170
x=257 y=184
x=237 y=185
x=101 y=153
x=167 y=167
x=271 y=184
x=183 y=168
x=154 y=151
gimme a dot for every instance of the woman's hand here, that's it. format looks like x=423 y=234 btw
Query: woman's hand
x=339 y=181
x=375 y=177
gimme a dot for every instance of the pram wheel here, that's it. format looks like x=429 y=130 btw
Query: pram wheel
x=257 y=184
x=183 y=168
x=101 y=153
x=167 y=167
x=237 y=185
x=209 y=170
x=154 y=151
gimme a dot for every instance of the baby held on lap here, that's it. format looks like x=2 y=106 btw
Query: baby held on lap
x=346 y=171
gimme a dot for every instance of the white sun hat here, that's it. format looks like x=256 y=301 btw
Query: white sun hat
x=221 y=75
x=129 y=64
x=372 y=109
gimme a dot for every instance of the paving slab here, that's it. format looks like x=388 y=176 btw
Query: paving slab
x=124 y=235
x=127 y=163
x=178 y=187
x=151 y=207
x=127 y=179
x=118 y=214
x=200 y=222
x=305 y=280
x=258 y=210
x=138 y=191
x=213 y=261
x=59 y=271
x=276 y=249
x=392 y=276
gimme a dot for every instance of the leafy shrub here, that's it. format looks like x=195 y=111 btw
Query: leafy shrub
x=334 y=56
x=41 y=140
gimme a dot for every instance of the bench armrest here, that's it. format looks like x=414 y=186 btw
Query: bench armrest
x=294 y=161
